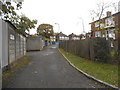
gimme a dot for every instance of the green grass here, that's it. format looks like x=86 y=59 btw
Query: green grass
x=105 y=72
x=9 y=74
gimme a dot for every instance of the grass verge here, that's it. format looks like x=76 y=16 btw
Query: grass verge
x=9 y=74
x=105 y=72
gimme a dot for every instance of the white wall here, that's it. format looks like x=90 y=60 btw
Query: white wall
x=0 y=42
x=34 y=43
x=0 y=53
x=8 y=46
x=4 y=44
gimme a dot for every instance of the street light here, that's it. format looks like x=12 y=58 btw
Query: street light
x=58 y=37
x=82 y=24
x=58 y=27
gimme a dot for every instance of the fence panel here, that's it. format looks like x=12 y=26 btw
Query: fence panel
x=96 y=49
x=17 y=46
x=4 y=43
x=11 y=45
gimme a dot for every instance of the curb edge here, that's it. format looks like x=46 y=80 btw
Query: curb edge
x=89 y=76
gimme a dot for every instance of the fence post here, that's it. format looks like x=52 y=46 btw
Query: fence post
x=91 y=43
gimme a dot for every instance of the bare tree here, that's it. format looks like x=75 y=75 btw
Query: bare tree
x=98 y=13
x=100 y=10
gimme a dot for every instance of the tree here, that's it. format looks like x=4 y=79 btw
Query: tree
x=24 y=24
x=8 y=10
x=99 y=12
x=45 y=30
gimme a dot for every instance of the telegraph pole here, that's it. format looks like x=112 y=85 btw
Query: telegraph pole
x=119 y=31
x=82 y=25
x=58 y=31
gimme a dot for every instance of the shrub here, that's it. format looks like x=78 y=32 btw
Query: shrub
x=101 y=50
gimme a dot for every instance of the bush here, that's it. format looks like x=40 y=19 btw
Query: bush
x=101 y=49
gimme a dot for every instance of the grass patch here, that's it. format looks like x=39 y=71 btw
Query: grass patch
x=9 y=74
x=105 y=72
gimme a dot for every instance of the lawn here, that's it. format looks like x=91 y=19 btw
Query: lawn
x=9 y=74
x=105 y=72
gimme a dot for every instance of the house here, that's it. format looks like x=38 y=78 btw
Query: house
x=88 y=35
x=53 y=38
x=12 y=44
x=82 y=36
x=107 y=27
x=74 y=37
x=61 y=36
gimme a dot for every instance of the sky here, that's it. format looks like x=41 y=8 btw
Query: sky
x=71 y=15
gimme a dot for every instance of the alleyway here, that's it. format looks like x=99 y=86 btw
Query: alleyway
x=49 y=69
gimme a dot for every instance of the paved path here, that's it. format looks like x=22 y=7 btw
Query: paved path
x=49 y=69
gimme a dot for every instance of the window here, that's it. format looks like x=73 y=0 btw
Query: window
x=12 y=37
x=111 y=34
x=102 y=26
x=109 y=22
x=97 y=24
x=97 y=34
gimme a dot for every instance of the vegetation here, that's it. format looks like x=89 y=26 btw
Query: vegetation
x=99 y=11
x=22 y=22
x=25 y=24
x=8 y=10
x=103 y=54
x=45 y=30
x=8 y=75
x=104 y=72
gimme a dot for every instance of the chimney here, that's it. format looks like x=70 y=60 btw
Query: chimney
x=108 y=13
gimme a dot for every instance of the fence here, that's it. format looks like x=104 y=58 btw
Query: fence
x=13 y=45
x=95 y=49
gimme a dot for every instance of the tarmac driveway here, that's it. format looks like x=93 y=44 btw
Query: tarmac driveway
x=49 y=69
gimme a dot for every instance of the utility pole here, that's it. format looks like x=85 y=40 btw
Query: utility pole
x=58 y=27
x=58 y=37
x=119 y=32
x=82 y=25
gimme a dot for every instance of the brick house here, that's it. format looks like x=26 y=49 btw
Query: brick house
x=53 y=38
x=60 y=36
x=74 y=37
x=107 y=27
x=88 y=35
x=82 y=36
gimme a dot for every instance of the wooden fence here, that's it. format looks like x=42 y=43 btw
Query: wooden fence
x=95 y=49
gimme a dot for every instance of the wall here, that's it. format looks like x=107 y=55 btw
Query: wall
x=34 y=43
x=0 y=43
x=13 y=44
x=4 y=44
x=0 y=54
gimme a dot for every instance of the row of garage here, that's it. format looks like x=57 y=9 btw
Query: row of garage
x=13 y=45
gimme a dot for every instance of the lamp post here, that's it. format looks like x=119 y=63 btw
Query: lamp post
x=58 y=27
x=58 y=37
x=82 y=24
x=119 y=35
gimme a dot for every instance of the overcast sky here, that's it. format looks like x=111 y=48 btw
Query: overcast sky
x=67 y=13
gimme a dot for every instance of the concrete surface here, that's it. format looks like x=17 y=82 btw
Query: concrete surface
x=49 y=69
